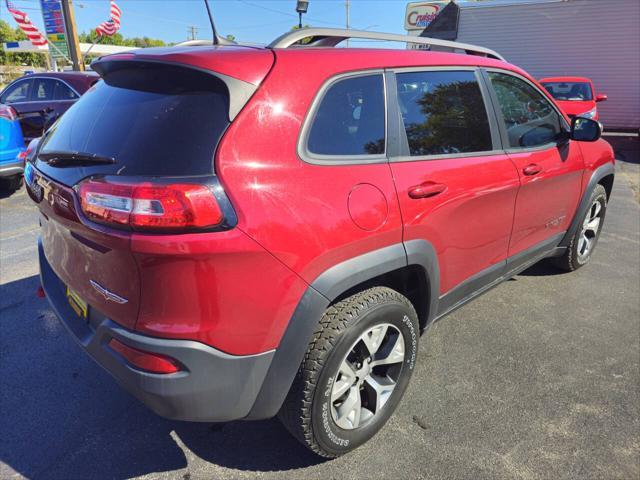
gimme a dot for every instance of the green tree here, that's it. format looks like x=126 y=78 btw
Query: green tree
x=9 y=34
x=118 y=39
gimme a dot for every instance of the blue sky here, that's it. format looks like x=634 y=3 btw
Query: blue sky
x=249 y=20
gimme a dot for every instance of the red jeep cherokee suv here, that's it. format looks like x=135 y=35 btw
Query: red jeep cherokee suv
x=238 y=233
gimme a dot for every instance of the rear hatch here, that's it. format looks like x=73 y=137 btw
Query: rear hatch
x=147 y=121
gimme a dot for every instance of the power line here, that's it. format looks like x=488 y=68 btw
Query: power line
x=192 y=30
x=281 y=12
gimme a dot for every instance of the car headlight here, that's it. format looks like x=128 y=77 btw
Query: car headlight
x=589 y=114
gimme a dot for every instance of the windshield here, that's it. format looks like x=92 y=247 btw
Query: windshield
x=572 y=91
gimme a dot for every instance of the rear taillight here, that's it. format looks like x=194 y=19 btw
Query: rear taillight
x=8 y=112
x=147 y=361
x=22 y=156
x=149 y=206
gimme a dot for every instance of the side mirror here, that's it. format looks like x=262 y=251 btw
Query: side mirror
x=601 y=97
x=585 y=129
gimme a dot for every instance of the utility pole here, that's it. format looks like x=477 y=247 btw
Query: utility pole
x=72 y=35
x=193 y=32
x=347 y=7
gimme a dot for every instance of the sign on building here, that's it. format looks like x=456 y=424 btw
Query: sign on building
x=419 y=16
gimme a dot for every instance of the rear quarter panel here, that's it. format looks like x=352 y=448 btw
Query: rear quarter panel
x=298 y=211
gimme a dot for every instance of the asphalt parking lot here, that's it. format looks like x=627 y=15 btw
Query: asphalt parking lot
x=539 y=378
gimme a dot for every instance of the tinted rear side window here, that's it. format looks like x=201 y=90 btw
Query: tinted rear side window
x=443 y=113
x=153 y=120
x=42 y=89
x=63 y=92
x=350 y=119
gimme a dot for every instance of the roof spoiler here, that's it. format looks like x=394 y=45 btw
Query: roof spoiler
x=239 y=91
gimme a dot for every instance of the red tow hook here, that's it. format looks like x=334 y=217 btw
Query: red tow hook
x=40 y=292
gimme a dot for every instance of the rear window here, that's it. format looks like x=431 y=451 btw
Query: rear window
x=152 y=119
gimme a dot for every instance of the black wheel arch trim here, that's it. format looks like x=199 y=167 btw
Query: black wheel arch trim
x=318 y=296
x=597 y=175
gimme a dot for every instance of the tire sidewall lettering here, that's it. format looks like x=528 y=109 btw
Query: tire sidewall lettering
x=332 y=433
x=411 y=361
x=326 y=424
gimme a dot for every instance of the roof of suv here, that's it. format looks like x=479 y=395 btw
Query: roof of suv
x=251 y=64
x=248 y=64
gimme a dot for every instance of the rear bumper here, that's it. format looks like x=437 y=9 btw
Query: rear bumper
x=9 y=169
x=215 y=387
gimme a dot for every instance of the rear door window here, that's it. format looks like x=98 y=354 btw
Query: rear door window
x=443 y=113
x=157 y=120
x=42 y=90
x=350 y=119
x=529 y=118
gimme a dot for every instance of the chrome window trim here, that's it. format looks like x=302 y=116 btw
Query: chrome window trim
x=494 y=128
x=303 y=137
x=536 y=148
x=446 y=156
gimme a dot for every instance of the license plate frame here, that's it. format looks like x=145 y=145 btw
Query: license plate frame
x=77 y=304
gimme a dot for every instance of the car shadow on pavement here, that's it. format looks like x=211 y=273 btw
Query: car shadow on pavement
x=6 y=189
x=543 y=268
x=64 y=417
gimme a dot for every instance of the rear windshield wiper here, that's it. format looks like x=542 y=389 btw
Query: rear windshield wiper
x=69 y=159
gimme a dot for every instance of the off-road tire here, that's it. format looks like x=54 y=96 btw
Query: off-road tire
x=572 y=259
x=304 y=412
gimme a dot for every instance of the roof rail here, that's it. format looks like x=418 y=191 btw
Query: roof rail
x=330 y=37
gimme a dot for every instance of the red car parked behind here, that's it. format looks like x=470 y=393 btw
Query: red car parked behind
x=575 y=95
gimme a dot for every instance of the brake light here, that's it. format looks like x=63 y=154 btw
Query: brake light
x=8 y=112
x=150 y=362
x=149 y=206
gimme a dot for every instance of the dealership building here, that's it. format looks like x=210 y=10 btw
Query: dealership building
x=549 y=38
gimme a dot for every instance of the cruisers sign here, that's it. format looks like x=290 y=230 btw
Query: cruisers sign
x=419 y=15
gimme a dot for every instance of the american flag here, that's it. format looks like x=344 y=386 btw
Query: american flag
x=112 y=25
x=24 y=22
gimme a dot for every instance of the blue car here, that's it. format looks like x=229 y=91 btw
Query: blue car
x=12 y=148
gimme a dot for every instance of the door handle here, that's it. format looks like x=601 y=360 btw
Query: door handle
x=532 y=169
x=426 y=190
